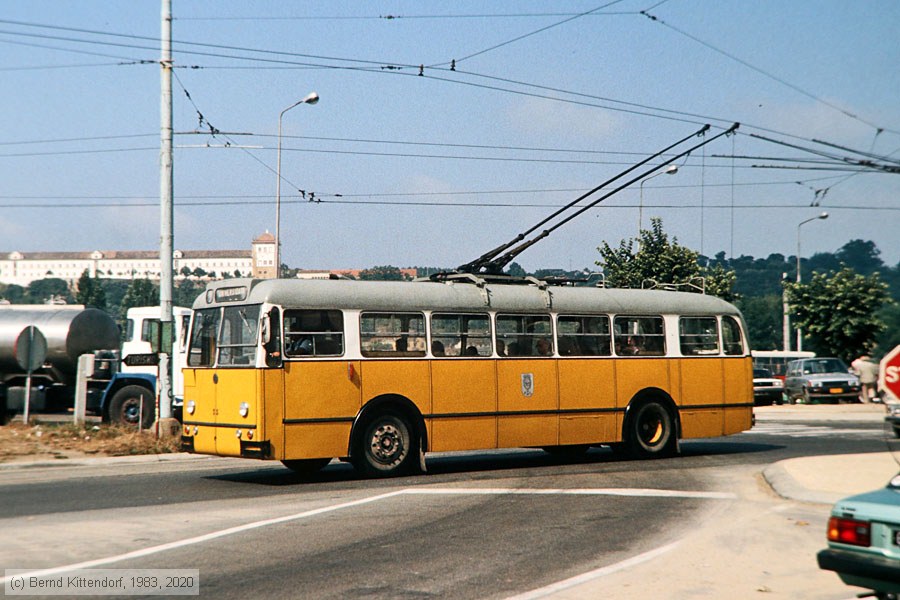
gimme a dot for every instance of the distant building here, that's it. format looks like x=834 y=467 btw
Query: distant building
x=21 y=268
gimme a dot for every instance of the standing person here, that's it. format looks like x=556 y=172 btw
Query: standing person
x=867 y=370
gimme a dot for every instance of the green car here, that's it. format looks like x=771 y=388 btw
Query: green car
x=864 y=541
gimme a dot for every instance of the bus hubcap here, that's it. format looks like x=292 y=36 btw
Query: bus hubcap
x=387 y=443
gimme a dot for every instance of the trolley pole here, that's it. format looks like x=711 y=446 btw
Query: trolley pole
x=166 y=221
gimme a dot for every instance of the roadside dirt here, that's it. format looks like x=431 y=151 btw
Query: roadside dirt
x=20 y=442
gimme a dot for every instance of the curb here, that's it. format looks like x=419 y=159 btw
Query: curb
x=784 y=484
x=102 y=460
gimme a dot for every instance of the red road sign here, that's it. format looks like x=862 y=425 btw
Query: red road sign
x=889 y=373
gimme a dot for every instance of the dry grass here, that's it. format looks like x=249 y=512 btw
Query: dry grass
x=20 y=442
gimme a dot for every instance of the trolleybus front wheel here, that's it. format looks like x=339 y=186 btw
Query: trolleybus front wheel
x=650 y=432
x=386 y=448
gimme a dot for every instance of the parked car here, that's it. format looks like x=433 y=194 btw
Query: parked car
x=893 y=417
x=864 y=541
x=767 y=389
x=820 y=380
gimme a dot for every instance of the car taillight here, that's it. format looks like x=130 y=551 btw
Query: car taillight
x=849 y=531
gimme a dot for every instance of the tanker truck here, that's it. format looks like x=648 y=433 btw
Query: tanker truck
x=70 y=331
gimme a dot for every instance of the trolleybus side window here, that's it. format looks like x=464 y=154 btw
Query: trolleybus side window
x=698 y=335
x=640 y=336
x=238 y=337
x=460 y=335
x=731 y=337
x=313 y=333
x=583 y=336
x=392 y=334
x=524 y=335
x=203 y=337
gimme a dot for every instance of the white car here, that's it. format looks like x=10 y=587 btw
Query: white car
x=766 y=388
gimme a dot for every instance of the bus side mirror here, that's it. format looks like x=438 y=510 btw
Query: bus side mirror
x=266 y=329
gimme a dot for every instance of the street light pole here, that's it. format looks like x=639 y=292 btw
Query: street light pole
x=311 y=98
x=824 y=215
x=669 y=171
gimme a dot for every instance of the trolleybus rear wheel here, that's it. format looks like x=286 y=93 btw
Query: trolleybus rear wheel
x=650 y=432
x=386 y=448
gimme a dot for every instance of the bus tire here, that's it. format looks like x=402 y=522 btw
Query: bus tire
x=650 y=431
x=386 y=447
x=125 y=407
x=307 y=466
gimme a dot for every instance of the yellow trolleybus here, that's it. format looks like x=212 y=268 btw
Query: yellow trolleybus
x=379 y=373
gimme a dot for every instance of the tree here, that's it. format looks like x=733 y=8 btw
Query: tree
x=44 y=290
x=141 y=292
x=763 y=315
x=864 y=257
x=838 y=311
x=199 y=272
x=384 y=273
x=661 y=262
x=516 y=270
x=15 y=294
x=90 y=291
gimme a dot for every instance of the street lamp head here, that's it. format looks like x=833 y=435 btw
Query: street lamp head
x=824 y=215
x=311 y=98
x=672 y=169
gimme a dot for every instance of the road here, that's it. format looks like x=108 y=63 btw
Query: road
x=492 y=525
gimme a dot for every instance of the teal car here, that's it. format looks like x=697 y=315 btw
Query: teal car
x=864 y=541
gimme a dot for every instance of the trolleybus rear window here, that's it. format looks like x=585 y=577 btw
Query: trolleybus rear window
x=698 y=335
x=640 y=336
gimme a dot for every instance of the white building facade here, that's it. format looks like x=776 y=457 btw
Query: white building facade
x=21 y=268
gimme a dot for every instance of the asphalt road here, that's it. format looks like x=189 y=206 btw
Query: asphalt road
x=489 y=525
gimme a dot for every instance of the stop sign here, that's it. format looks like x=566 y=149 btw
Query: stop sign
x=889 y=373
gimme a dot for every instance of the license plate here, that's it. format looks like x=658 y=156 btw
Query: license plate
x=835 y=390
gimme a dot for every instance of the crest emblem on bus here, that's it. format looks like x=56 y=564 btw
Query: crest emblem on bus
x=527 y=385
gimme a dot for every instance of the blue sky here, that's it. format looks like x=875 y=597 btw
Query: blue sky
x=434 y=170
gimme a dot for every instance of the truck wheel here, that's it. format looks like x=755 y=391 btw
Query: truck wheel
x=126 y=407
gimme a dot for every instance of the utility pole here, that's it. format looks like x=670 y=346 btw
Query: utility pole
x=166 y=220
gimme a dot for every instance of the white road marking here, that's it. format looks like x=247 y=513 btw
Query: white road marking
x=798 y=431
x=634 y=492
x=595 y=574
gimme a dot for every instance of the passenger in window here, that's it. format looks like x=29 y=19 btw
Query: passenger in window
x=302 y=347
x=437 y=348
x=501 y=348
x=544 y=347
x=401 y=344
x=471 y=351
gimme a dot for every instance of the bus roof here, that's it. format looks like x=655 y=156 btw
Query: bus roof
x=457 y=296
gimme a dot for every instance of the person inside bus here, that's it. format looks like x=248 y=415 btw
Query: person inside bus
x=301 y=346
x=401 y=344
x=437 y=348
x=543 y=347
x=501 y=348
x=471 y=351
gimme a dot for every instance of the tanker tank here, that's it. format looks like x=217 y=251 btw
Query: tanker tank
x=70 y=331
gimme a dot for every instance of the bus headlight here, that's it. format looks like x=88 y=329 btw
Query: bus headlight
x=191 y=407
x=244 y=409
x=237 y=434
